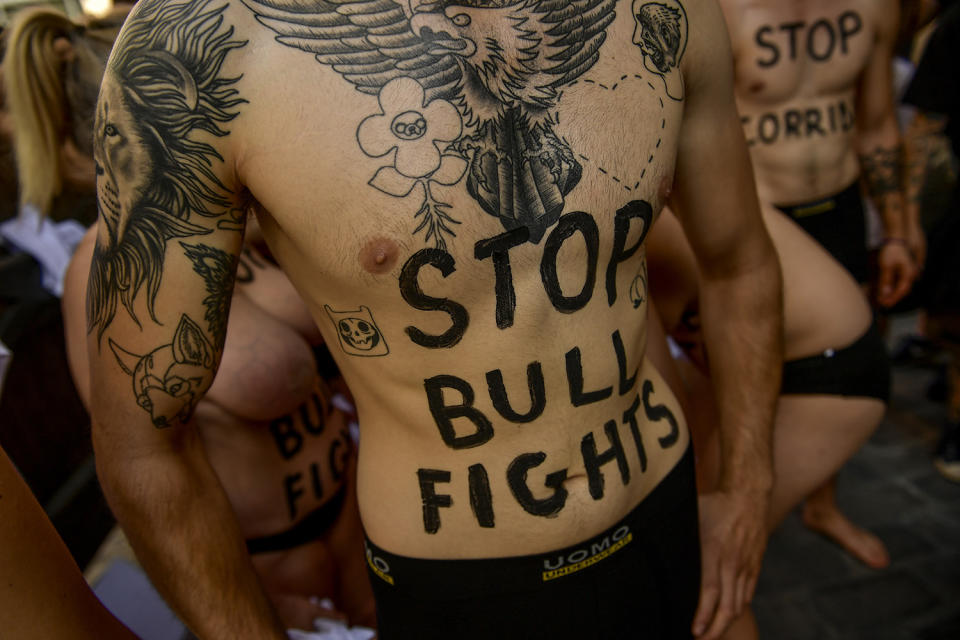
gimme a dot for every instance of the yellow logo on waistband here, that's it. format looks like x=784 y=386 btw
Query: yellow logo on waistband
x=589 y=559
x=379 y=566
x=814 y=209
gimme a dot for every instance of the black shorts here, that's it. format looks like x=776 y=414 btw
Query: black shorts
x=839 y=224
x=860 y=369
x=638 y=579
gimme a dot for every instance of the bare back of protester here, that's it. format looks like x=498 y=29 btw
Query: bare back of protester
x=813 y=85
x=460 y=194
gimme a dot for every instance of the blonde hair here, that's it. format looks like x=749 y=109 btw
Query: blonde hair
x=51 y=96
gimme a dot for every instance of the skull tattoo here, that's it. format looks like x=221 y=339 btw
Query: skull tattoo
x=358 y=333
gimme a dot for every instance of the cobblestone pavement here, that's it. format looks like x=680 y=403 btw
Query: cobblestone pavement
x=811 y=590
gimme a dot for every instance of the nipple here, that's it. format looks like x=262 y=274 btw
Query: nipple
x=378 y=255
x=665 y=188
x=757 y=87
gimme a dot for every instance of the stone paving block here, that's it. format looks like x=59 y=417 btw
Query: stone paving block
x=941 y=529
x=937 y=487
x=797 y=557
x=946 y=629
x=883 y=602
x=942 y=575
x=876 y=504
x=789 y=619
x=904 y=543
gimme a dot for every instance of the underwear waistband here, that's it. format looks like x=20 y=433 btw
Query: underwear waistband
x=840 y=200
x=459 y=578
x=860 y=369
x=314 y=525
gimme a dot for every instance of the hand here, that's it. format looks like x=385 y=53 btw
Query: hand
x=917 y=244
x=733 y=536
x=897 y=272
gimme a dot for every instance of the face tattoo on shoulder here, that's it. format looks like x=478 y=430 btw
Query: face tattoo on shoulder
x=661 y=34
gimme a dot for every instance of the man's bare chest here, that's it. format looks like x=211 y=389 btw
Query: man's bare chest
x=795 y=50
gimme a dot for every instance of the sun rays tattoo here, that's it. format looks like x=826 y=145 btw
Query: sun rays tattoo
x=169 y=381
x=163 y=86
x=458 y=97
x=661 y=33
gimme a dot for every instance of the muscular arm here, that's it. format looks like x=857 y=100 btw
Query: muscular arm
x=881 y=158
x=741 y=310
x=157 y=301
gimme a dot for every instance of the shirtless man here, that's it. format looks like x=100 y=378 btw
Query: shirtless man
x=814 y=91
x=280 y=447
x=458 y=194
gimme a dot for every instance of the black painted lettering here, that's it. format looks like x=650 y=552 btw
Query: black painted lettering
x=337 y=464
x=313 y=422
x=849 y=24
x=575 y=381
x=481 y=500
x=286 y=437
x=432 y=501
x=626 y=384
x=538 y=394
x=847 y=117
x=821 y=25
x=566 y=227
x=791 y=28
x=291 y=486
x=416 y=298
x=766 y=44
x=791 y=123
x=813 y=122
x=621 y=228
x=768 y=136
x=316 y=481
x=630 y=419
x=745 y=123
x=498 y=248
x=517 y=472
x=832 y=112
x=592 y=460
x=444 y=414
x=656 y=413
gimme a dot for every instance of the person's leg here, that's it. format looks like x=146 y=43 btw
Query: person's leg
x=947 y=457
x=814 y=436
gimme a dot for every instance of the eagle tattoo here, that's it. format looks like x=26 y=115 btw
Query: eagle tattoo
x=505 y=83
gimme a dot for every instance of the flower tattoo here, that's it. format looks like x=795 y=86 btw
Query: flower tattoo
x=417 y=131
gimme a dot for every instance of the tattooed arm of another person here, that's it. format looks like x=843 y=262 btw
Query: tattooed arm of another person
x=741 y=306
x=156 y=319
x=919 y=143
x=878 y=143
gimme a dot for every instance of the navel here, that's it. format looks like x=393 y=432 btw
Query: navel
x=378 y=255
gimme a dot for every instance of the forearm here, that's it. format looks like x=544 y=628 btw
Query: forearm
x=881 y=164
x=182 y=528
x=742 y=326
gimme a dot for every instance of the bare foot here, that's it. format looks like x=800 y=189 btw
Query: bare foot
x=860 y=543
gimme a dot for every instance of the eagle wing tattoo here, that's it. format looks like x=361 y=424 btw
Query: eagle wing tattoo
x=504 y=82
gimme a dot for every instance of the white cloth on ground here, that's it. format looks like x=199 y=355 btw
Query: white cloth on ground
x=51 y=243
